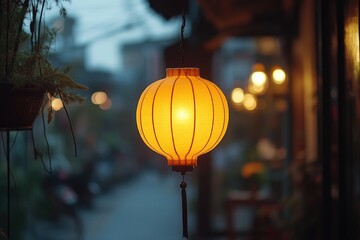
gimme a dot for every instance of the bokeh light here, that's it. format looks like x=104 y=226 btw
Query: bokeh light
x=57 y=104
x=250 y=102
x=258 y=78
x=237 y=95
x=99 y=98
x=278 y=76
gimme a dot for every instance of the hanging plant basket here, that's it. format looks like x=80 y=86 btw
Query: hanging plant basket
x=19 y=107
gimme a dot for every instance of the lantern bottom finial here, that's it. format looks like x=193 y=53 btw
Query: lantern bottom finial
x=182 y=169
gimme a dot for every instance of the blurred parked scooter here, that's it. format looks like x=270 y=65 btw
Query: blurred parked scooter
x=81 y=182
x=63 y=200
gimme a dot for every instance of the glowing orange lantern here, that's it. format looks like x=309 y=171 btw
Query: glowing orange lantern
x=182 y=117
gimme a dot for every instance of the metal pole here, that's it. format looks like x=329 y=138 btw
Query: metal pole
x=8 y=181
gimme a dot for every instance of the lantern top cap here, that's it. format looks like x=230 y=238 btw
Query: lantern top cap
x=186 y=71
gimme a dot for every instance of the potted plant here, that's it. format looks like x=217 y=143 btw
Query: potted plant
x=253 y=172
x=26 y=75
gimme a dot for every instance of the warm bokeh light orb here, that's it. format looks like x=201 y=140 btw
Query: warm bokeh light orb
x=258 y=78
x=250 y=102
x=56 y=104
x=182 y=116
x=279 y=76
x=237 y=95
x=99 y=98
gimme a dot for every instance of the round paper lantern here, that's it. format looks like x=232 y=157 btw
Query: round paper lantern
x=182 y=116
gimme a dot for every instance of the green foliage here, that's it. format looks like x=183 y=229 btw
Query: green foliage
x=25 y=197
x=254 y=170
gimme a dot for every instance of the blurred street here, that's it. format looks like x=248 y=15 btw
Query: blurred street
x=146 y=207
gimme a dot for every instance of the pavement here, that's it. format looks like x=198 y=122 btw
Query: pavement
x=147 y=207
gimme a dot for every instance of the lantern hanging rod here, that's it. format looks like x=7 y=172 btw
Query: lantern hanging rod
x=182 y=30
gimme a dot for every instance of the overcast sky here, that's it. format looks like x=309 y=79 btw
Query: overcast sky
x=101 y=23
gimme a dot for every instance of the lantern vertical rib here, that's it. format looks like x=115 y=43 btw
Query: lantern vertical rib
x=212 y=121
x=224 y=122
x=194 y=121
x=141 y=129
x=171 y=118
x=153 y=120
x=220 y=136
